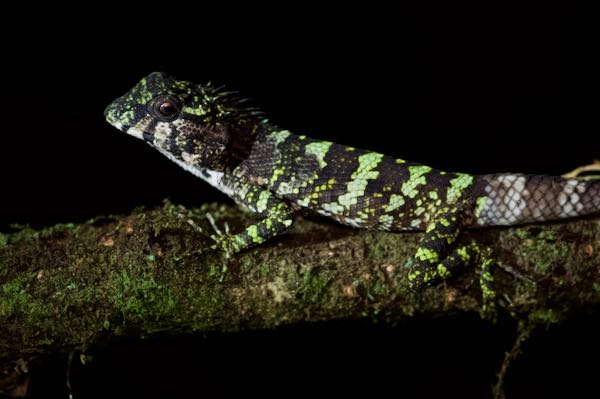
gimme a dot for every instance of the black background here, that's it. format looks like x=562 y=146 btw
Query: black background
x=471 y=90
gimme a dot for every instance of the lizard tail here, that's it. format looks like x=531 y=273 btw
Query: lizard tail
x=510 y=199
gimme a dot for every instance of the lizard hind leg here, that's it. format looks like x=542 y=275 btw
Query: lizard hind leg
x=438 y=258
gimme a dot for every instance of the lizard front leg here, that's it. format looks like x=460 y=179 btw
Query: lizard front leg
x=278 y=217
x=277 y=220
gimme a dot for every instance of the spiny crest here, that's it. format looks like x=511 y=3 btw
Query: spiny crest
x=206 y=100
x=231 y=102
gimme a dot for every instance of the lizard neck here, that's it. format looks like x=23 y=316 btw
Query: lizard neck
x=257 y=154
x=242 y=140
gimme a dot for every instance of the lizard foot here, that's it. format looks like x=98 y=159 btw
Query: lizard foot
x=428 y=269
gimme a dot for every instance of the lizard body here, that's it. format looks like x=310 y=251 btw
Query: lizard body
x=277 y=174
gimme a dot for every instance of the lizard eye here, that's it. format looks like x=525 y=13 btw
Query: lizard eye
x=165 y=107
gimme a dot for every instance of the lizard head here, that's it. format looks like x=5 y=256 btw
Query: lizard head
x=190 y=123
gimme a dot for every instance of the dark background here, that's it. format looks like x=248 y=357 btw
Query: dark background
x=478 y=91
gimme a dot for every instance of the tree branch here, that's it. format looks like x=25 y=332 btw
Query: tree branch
x=70 y=286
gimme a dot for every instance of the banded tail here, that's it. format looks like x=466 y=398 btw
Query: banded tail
x=516 y=198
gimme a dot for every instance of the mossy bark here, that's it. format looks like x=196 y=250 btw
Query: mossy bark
x=71 y=286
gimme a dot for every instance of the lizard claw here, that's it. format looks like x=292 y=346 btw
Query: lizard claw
x=223 y=241
x=212 y=222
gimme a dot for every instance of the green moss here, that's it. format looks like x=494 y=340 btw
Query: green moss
x=380 y=247
x=548 y=235
x=543 y=251
x=596 y=287
x=26 y=233
x=377 y=289
x=16 y=301
x=204 y=306
x=544 y=316
x=215 y=271
x=313 y=287
x=139 y=297
x=264 y=270
x=522 y=233
x=246 y=264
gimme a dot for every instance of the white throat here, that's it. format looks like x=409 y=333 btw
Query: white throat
x=212 y=177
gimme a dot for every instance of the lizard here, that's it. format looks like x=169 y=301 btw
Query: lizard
x=218 y=137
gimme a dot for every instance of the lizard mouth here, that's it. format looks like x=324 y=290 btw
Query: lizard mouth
x=112 y=115
x=133 y=131
x=117 y=124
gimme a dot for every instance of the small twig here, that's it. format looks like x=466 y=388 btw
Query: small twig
x=514 y=272
x=69 y=364
x=593 y=167
x=524 y=332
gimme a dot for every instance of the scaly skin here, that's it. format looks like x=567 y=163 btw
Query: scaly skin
x=277 y=174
